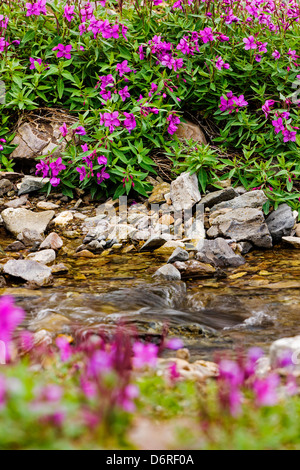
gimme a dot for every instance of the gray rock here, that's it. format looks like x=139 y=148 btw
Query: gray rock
x=218 y=253
x=280 y=222
x=52 y=241
x=28 y=270
x=245 y=224
x=244 y=247
x=47 y=206
x=154 y=242
x=95 y=246
x=15 y=246
x=5 y=186
x=178 y=255
x=30 y=237
x=168 y=272
x=140 y=235
x=30 y=184
x=19 y=202
x=43 y=257
x=17 y=220
x=254 y=199
x=294 y=241
x=216 y=197
x=185 y=191
x=195 y=269
x=283 y=348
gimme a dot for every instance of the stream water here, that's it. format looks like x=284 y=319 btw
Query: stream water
x=253 y=305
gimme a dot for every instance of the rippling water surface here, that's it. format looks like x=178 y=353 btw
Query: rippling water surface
x=254 y=304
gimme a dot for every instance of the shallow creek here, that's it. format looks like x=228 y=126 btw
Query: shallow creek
x=253 y=305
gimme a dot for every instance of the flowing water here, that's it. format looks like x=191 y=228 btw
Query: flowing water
x=253 y=305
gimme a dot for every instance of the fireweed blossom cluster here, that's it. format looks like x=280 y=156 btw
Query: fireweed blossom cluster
x=232 y=103
x=237 y=376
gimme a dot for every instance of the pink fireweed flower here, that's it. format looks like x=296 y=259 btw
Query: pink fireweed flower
x=3 y=44
x=231 y=372
x=35 y=9
x=222 y=38
x=43 y=168
x=124 y=93
x=100 y=362
x=64 y=347
x=276 y=54
x=141 y=53
x=64 y=130
x=2 y=141
x=123 y=68
x=258 y=58
x=124 y=30
x=266 y=107
x=221 y=64
x=266 y=390
x=102 y=175
x=289 y=136
x=63 y=51
x=111 y=120
x=157 y=2
x=82 y=172
x=174 y=343
x=144 y=355
x=130 y=393
x=11 y=317
x=80 y=131
x=253 y=355
x=32 y=61
x=102 y=160
x=262 y=47
x=292 y=54
x=278 y=125
x=173 y=372
x=69 y=12
x=173 y=123
x=129 y=122
x=285 y=114
x=206 y=35
x=57 y=166
x=249 y=43
x=85 y=147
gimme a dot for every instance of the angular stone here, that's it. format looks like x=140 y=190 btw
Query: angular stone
x=17 y=220
x=158 y=193
x=19 y=202
x=45 y=206
x=30 y=237
x=59 y=268
x=28 y=270
x=63 y=218
x=216 y=197
x=194 y=268
x=30 y=184
x=185 y=191
x=178 y=255
x=280 y=222
x=52 y=241
x=253 y=199
x=294 y=241
x=15 y=246
x=168 y=272
x=153 y=243
x=5 y=186
x=245 y=224
x=43 y=257
x=188 y=130
x=218 y=253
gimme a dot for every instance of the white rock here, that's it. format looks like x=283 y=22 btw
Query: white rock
x=63 y=218
x=185 y=191
x=43 y=257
